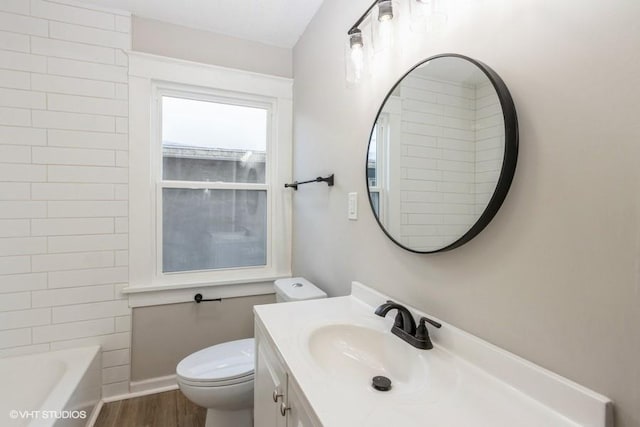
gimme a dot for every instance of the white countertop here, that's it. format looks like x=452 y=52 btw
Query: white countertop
x=464 y=386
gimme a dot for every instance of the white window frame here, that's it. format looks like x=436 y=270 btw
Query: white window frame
x=382 y=138
x=186 y=92
x=150 y=78
x=391 y=119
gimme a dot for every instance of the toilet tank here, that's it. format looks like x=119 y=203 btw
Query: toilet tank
x=297 y=289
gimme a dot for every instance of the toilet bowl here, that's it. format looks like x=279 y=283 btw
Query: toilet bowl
x=220 y=377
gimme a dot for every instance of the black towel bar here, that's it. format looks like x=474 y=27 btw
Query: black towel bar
x=198 y=298
x=328 y=180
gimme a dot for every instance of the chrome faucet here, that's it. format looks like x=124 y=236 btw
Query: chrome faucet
x=405 y=327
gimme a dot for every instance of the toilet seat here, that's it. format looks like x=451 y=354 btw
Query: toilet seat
x=213 y=384
x=219 y=365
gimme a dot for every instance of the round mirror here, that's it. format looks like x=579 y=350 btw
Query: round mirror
x=442 y=153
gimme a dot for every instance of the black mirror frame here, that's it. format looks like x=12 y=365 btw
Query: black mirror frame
x=508 y=164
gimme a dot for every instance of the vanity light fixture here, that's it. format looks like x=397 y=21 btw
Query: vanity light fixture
x=385 y=13
x=358 y=49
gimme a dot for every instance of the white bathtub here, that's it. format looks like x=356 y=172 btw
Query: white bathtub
x=50 y=389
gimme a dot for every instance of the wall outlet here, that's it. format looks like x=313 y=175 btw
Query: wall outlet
x=352 y=213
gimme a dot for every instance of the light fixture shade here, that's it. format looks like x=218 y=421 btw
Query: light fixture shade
x=428 y=16
x=385 y=10
x=385 y=24
x=355 y=38
x=357 y=51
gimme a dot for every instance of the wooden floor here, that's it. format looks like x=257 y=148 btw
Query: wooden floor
x=169 y=409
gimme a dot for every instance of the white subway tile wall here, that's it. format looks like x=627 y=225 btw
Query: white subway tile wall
x=451 y=154
x=64 y=182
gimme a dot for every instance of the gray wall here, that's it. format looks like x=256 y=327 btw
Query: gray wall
x=162 y=335
x=162 y=38
x=555 y=277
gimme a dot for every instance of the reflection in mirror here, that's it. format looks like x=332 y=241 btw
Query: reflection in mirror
x=436 y=154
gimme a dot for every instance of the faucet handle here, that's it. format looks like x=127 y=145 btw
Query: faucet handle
x=433 y=322
x=421 y=331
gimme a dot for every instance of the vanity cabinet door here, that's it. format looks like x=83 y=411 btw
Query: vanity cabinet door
x=269 y=386
x=299 y=413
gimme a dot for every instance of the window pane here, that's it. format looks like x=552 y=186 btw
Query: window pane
x=375 y=201
x=210 y=141
x=210 y=229
x=372 y=160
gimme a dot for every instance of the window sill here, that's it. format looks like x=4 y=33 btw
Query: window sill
x=141 y=296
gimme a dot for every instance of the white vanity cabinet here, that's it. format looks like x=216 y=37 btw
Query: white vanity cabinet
x=278 y=401
x=299 y=413
x=321 y=354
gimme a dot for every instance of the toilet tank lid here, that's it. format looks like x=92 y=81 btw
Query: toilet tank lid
x=298 y=289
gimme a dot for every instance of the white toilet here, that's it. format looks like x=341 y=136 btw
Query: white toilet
x=220 y=377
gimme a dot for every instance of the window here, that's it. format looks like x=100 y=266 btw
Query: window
x=214 y=194
x=383 y=164
x=376 y=166
x=210 y=152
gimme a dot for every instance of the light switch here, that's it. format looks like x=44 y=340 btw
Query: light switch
x=353 y=206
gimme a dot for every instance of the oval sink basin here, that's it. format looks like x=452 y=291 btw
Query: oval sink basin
x=355 y=354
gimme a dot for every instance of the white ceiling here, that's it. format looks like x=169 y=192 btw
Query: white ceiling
x=274 y=22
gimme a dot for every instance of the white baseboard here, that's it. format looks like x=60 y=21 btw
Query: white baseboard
x=152 y=384
x=146 y=387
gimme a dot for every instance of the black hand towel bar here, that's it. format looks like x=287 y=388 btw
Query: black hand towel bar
x=328 y=180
